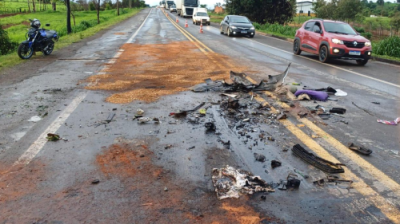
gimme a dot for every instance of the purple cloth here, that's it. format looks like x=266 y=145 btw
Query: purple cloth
x=315 y=95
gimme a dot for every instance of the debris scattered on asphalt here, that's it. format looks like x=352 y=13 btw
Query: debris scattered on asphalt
x=302 y=114
x=291 y=182
x=275 y=163
x=52 y=90
x=192 y=147
x=203 y=111
x=319 y=182
x=303 y=97
x=110 y=117
x=168 y=147
x=300 y=125
x=376 y=103
x=114 y=109
x=230 y=183
x=337 y=110
x=259 y=157
x=281 y=116
x=239 y=83
x=139 y=112
x=210 y=126
x=318 y=162
x=96 y=181
x=340 y=92
x=183 y=113
x=359 y=149
x=165 y=189
x=35 y=119
x=314 y=95
x=395 y=122
x=52 y=137
x=270 y=138
x=324 y=116
x=143 y=120
x=395 y=151
x=230 y=95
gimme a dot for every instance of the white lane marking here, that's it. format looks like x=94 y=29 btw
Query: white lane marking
x=333 y=66
x=140 y=27
x=38 y=144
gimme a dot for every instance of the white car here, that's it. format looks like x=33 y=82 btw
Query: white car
x=172 y=8
x=201 y=17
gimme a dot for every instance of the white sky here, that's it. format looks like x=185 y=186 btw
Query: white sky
x=210 y=3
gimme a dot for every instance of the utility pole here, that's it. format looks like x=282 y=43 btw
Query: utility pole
x=69 y=30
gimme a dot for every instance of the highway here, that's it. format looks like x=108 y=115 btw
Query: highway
x=119 y=170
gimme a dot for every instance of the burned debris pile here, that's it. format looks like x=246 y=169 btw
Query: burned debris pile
x=230 y=183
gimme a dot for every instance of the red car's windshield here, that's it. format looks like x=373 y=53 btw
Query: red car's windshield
x=340 y=28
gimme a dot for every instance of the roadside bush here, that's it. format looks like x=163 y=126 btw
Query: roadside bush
x=367 y=35
x=287 y=31
x=389 y=46
x=6 y=45
x=257 y=25
x=359 y=29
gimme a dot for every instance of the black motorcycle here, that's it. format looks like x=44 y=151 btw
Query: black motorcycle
x=38 y=40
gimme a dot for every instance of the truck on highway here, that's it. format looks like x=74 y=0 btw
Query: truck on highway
x=168 y=4
x=200 y=16
x=162 y=4
x=185 y=8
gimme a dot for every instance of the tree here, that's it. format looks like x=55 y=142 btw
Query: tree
x=380 y=2
x=97 y=4
x=69 y=29
x=203 y=5
x=348 y=9
x=263 y=11
x=317 y=6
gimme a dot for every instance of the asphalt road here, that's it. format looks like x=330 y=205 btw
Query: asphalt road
x=151 y=173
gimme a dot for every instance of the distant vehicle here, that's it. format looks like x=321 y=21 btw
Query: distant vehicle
x=200 y=16
x=237 y=25
x=168 y=4
x=185 y=8
x=162 y=4
x=332 y=39
x=37 y=40
x=172 y=8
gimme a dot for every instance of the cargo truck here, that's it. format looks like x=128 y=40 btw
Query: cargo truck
x=168 y=4
x=185 y=8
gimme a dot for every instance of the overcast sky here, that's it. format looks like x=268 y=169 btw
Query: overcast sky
x=210 y=3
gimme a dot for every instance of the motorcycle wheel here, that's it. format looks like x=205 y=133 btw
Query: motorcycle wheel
x=24 y=51
x=49 y=48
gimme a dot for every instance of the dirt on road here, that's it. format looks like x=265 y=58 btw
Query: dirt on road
x=146 y=72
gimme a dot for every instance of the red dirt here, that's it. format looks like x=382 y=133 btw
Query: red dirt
x=179 y=202
x=26 y=23
x=147 y=72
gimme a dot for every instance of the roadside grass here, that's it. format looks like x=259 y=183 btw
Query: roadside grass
x=57 y=21
x=13 y=59
x=15 y=5
x=216 y=18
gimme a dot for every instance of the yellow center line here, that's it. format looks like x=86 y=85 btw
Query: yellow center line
x=387 y=208
x=355 y=158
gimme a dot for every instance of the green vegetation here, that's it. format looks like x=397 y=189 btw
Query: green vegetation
x=84 y=28
x=15 y=6
x=263 y=11
x=216 y=18
x=276 y=29
x=5 y=44
x=389 y=46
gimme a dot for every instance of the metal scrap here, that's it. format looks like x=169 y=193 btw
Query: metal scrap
x=230 y=183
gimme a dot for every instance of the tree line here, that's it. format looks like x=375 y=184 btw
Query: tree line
x=263 y=11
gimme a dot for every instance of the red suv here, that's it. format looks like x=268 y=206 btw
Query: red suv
x=332 y=39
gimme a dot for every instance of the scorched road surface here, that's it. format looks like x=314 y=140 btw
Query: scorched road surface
x=114 y=169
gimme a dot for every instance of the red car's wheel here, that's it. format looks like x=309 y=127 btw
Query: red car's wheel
x=323 y=54
x=296 y=47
